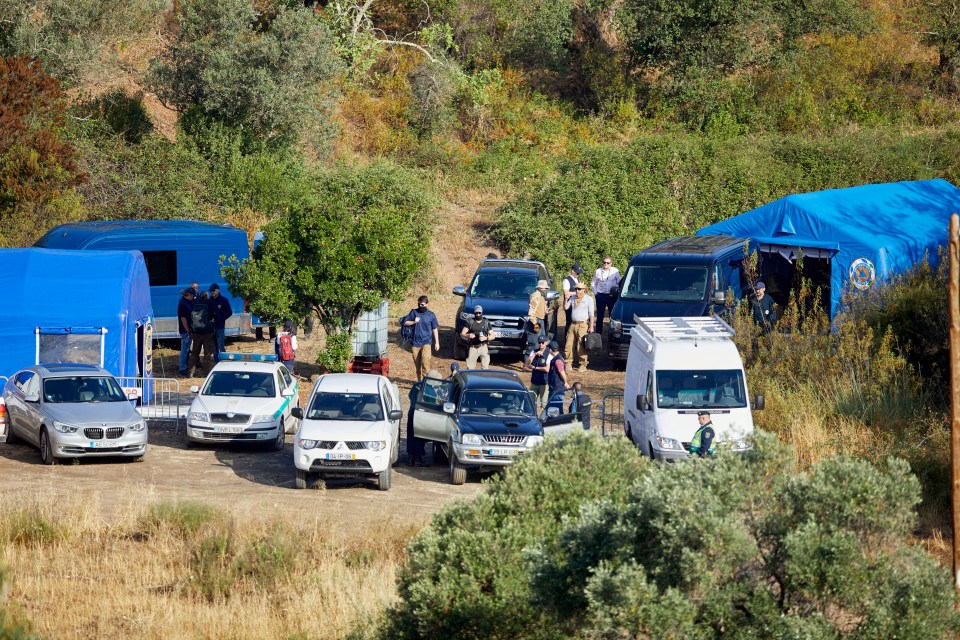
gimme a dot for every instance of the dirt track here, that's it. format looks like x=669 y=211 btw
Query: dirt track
x=260 y=481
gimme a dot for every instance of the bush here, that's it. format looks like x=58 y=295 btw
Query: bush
x=593 y=541
x=213 y=566
x=124 y=114
x=29 y=527
x=335 y=357
x=466 y=576
x=185 y=519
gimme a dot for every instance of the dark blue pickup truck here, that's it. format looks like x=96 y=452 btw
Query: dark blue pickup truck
x=483 y=419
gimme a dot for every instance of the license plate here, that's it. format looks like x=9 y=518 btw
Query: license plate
x=504 y=453
x=341 y=456
x=228 y=429
x=101 y=444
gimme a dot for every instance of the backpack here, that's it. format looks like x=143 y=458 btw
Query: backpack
x=286 y=347
x=406 y=335
x=200 y=317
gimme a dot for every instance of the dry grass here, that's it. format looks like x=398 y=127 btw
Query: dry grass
x=146 y=573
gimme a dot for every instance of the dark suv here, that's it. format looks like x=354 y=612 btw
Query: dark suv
x=502 y=288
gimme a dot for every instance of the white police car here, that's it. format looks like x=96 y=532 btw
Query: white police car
x=351 y=427
x=246 y=398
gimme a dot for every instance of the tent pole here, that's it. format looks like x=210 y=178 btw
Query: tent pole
x=954 y=288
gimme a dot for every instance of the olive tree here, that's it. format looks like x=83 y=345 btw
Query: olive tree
x=358 y=239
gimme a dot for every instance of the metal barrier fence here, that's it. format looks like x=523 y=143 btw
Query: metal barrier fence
x=611 y=414
x=157 y=398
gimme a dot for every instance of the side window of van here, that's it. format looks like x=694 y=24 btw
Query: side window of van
x=649 y=388
x=161 y=267
x=733 y=276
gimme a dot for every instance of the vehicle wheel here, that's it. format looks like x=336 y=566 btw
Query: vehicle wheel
x=458 y=472
x=281 y=439
x=136 y=459
x=302 y=479
x=652 y=457
x=384 y=478
x=46 y=449
x=627 y=432
x=12 y=437
x=458 y=352
x=395 y=452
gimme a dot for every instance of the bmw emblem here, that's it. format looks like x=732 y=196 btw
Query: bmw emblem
x=230 y=415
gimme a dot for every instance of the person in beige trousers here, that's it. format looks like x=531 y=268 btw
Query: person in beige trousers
x=583 y=312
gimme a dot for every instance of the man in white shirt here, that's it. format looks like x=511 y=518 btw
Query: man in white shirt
x=582 y=315
x=606 y=286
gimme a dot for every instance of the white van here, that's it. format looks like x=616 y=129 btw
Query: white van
x=677 y=367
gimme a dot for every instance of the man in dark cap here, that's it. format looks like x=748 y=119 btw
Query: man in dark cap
x=764 y=315
x=220 y=309
x=184 y=309
x=556 y=372
x=478 y=333
x=702 y=442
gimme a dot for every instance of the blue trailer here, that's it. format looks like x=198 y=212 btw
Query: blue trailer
x=176 y=252
x=91 y=307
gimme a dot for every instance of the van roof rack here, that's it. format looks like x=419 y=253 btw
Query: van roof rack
x=698 y=327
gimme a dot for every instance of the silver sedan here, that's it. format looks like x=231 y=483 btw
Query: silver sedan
x=73 y=411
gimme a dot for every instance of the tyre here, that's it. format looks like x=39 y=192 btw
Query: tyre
x=439 y=455
x=458 y=472
x=458 y=351
x=12 y=438
x=652 y=457
x=281 y=439
x=627 y=432
x=136 y=459
x=384 y=478
x=302 y=479
x=46 y=449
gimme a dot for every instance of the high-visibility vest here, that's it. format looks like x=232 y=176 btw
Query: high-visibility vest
x=695 y=441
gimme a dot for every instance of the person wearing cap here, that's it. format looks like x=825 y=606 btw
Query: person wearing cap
x=701 y=444
x=606 y=286
x=477 y=331
x=220 y=309
x=537 y=310
x=556 y=373
x=454 y=370
x=764 y=315
x=570 y=289
x=201 y=334
x=287 y=337
x=538 y=365
x=426 y=333
x=582 y=317
x=184 y=310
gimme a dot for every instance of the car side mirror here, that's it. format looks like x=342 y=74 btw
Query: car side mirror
x=194 y=389
x=758 y=402
x=287 y=393
x=297 y=413
x=641 y=402
x=449 y=407
x=459 y=291
x=395 y=414
x=553 y=412
x=719 y=297
x=552 y=295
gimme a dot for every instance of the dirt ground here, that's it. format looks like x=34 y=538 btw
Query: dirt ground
x=261 y=480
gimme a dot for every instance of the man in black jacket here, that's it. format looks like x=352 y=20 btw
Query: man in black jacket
x=764 y=315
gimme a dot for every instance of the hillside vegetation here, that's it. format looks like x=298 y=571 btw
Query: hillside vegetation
x=596 y=127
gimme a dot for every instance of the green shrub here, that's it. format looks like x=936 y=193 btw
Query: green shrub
x=270 y=558
x=12 y=626
x=465 y=575
x=185 y=518
x=125 y=114
x=213 y=566
x=337 y=353
x=28 y=527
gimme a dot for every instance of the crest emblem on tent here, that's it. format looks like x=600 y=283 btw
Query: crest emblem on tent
x=862 y=273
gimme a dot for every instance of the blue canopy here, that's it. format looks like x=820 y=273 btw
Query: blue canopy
x=62 y=301
x=870 y=232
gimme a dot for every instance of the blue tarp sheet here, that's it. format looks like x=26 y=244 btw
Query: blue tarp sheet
x=77 y=292
x=872 y=231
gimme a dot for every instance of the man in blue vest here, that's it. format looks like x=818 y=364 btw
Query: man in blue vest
x=556 y=374
x=220 y=309
x=537 y=364
x=702 y=442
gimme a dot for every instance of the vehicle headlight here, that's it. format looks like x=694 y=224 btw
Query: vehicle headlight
x=307 y=444
x=669 y=443
x=470 y=438
x=138 y=426
x=533 y=441
x=376 y=445
x=264 y=418
x=616 y=325
x=64 y=428
x=199 y=416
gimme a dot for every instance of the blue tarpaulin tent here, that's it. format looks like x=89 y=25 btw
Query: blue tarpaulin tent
x=75 y=306
x=867 y=233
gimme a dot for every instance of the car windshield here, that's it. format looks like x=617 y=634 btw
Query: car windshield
x=701 y=389
x=247 y=384
x=664 y=283
x=363 y=407
x=82 y=389
x=496 y=403
x=503 y=285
